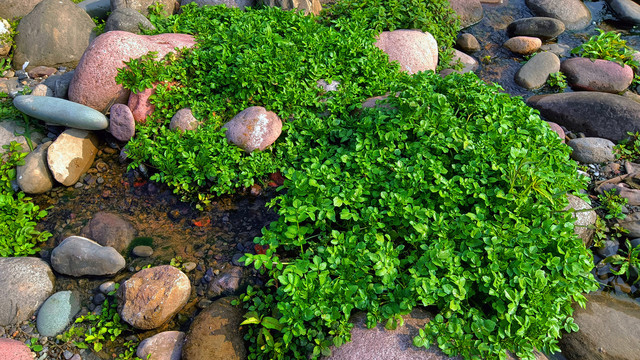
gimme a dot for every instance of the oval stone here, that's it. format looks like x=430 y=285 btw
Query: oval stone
x=61 y=112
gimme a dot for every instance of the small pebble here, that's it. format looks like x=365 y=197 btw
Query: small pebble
x=189 y=266
x=107 y=287
x=235 y=260
x=142 y=251
x=67 y=354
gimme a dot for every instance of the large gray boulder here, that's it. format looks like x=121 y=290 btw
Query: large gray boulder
x=594 y=113
x=10 y=9
x=26 y=282
x=56 y=33
x=126 y=19
x=79 y=256
x=573 y=13
x=609 y=330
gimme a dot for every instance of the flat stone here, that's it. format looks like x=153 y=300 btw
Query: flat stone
x=597 y=75
x=79 y=256
x=414 y=50
x=166 y=345
x=536 y=71
x=57 y=312
x=14 y=350
x=153 y=296
x=9 y=129
x=585 y=219
x=253 y=128
x=573 y=13
x=592 y=150
x=41 y=71
x=122 y=125
x=142 y=251
x=544 y=28
x=523 y=45
x=26 y=282
x=61 y=112
x=627 y=11
x=71 y=155
x=34 y=176
x=583 y=110
x=108 y=229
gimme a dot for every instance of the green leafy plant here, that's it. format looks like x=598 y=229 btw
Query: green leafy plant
x=18 y=216
x=97 y=329
x=557 y=81
x=35 y=345
x=607 y=45
x=177 y=262
x=629 y=263
x=612 y=204
x=629 y=148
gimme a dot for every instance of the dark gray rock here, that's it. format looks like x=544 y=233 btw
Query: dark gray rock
x=609 y=329
x=535 y=72
x=96 y=8
x=79 y=256
x=109 y=229
x=541 y=27
x=26 y=282
x=596 y=114
x=126 y=19
x=60 y=84
x=573 y=13
x=230 y=281
x=468 y=43
x=229 y=3
x=626 y=10
x=632 y=223
x=57 y=312
x=10 y=9
x=592 y=150
x=56 y=33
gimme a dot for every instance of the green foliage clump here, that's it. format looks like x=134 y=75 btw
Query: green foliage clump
x=628 y=263
x=607 y=45
x=450 y=197
x=435 y=17
x=18 y=215
x=557 y=81
x=629 y=148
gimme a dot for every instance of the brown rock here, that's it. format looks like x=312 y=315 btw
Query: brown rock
x=71 y=155
x=110 y=230
x=93 y=82
x=523 y=45
x=254 y=128
x=216 y=334
x=163 y=346
x=153 y=296
x=558 y=129
x=308 y=6
x=468 y=43
x=14 y=350
x=41 y=71
x=413 y=49
x=141 y=106
x=34 y=176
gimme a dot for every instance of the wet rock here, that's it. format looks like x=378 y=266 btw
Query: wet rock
x=96 y=8
x=153 y=296
x=253 y=128
x=169 y=6
x=585 y=220
x=535 y=72
x=625 y=10
x=608 y=329
x=468 y=43
x=126 y=19
x=561 y=50
x=592 y=150
x=79 y=256
x=583 y=110
x=228 y=3
x=597 y=75
x=231 y=281
x=9 y=129
x=59 y=84
x=14 y=350
x=61 y=112
x=34 y=176
x=121 y=122
x=26 y=282
x=93 y=82
x=573 y=13
x=216 y=334
x=413 y=49
x=523 y=45
x=57 y=312
x=378 y=343
x=470 y=11
x=541 y=27
x=71 y=155
x=610 y=248
x=107 y=287
x=10 y=9
x=307 y=6
x=109 y=229
x=184 y=120
x=632 y=223
x=557 y=128
x=166 y=345
x=55 y=33
x=142 y=251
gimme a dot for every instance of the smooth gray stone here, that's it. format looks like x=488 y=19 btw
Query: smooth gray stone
x=544 y=28
x=96 y=8
x=592 y=150
x=625 y=10
x=60 y=84
x=61 y=112
x=57 y=312
x=535 y=72
x=78 y=256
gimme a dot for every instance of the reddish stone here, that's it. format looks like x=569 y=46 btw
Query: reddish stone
x=555 y=127
x=14 y=350
x=93 y=82
x=597 y=75
x=121 y=123
x=41 y=71
x=413 y=49
x=254 y=128
x=140 y=106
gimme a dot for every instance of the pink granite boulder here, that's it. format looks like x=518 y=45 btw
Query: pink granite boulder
x=14 y=350
x=140 y=106
x=93 y=83
x=121 y=123
x=597 y=75
x=413 y=49
x=254 y=128
x=555 y=127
